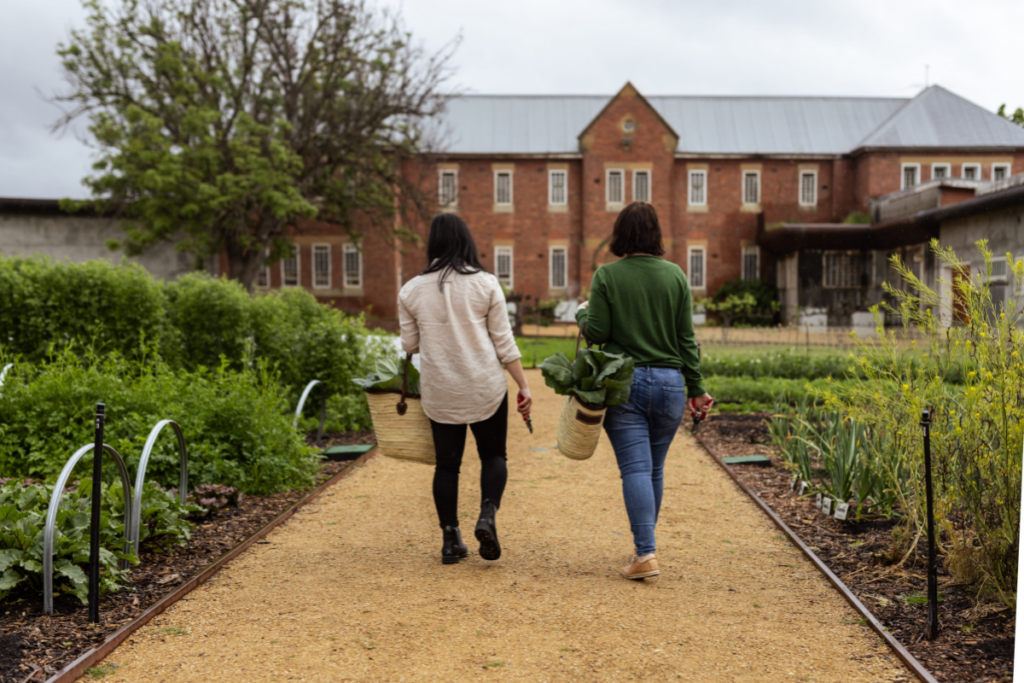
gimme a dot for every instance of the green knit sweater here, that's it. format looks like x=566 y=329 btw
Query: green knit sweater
x=641 y=306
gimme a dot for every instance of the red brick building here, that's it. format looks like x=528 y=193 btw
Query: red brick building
x=540 y=180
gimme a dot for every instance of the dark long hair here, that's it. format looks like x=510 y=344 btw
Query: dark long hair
x=637 y=231
x=450 y=247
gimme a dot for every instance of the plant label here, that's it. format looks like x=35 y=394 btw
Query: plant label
x=803 y=488
x=792 y=483
x=817 y=501
x=826 y=506
x=842 y=509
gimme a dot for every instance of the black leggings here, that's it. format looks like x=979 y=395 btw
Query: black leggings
x=450 y=443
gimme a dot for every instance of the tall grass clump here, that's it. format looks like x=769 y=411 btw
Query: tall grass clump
x=977 y=426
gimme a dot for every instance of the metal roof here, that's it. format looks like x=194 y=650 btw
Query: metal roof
x=551 y=124
x=939 y=118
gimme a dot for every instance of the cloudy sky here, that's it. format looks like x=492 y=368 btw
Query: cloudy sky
x=778 y=47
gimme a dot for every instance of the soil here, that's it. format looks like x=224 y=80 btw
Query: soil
x=342 y=439
x=34 y=646
x=975 y=643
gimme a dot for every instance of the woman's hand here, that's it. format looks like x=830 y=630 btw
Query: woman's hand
x=525 y=401
x=585 y=304
x=700 y=402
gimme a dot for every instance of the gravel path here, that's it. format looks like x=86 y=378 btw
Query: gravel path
x=352 y=588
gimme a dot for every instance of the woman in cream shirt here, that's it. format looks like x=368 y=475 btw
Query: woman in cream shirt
x=454 y=315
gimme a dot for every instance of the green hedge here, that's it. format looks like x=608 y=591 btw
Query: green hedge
x=236 y=422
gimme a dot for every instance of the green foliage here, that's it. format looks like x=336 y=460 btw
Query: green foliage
x=596 y=377
x=236 y=423
x=45 y=302
x=389 y=373
x=1016 y=117
x=23 y=516
x=977 y=427
x=210 y=318
x=748 y=302
x=164 y=519
x=764 y=390
x=784 y=363
x=857 y=218
x=203 y=135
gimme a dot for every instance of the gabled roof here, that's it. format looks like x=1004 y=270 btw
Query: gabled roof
x=630 y=89
x=551 y=124
x=939 y=118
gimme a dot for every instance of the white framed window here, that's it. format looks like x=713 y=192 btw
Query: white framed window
x=843 y=270
x=321 y=266
x=352 y=265
x=1000 y=171
x=263 y=277
x=970 y=171
x=910 y=175
x=290 y=269
x=999 y=270
x=752 y=263
x=698 y=195
x=642 y=186
x=751 y=187
x=808 y=188
x=558 y=260
x=940 y=171
x=613 y=184
x=697 y=260
x=557 y=187
x=448 y=188
x=503 y=266
x=503 y=188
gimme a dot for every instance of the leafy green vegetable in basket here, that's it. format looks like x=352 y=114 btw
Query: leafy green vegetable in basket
x=597 y=377
x=387 y=374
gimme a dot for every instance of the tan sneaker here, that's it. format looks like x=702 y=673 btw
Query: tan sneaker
x=642 y=567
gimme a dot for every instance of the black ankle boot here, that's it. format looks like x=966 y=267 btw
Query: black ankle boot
x=453 y=549
x=487 y=531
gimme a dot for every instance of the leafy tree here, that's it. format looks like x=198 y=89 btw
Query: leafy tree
x=1016 y=117
x=222 y=122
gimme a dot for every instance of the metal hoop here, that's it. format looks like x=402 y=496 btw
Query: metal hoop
x=140 y=477
x=51 y=517
x=323 y=407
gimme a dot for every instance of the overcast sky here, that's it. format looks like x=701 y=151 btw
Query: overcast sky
x=665 y=47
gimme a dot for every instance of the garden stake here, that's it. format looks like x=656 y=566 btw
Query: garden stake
x=933 y=593
x=94 y=542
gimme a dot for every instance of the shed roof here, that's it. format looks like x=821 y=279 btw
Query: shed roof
x=713 y=124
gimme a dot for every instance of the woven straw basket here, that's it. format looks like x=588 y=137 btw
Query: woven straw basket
x=403 y=429
x=579 y=429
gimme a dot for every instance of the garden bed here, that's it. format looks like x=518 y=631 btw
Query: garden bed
x=34 y=646
x=976 y=640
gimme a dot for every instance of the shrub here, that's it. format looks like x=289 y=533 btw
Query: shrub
x=977 y=427
x=46 y=303
x=210 y=318
x=235 y=423
x=766 y=300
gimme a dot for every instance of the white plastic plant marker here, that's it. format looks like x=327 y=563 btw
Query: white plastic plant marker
x=803 y=488
x=842 y=510
x=826 y=506
x=817 y=501
x=792 y=483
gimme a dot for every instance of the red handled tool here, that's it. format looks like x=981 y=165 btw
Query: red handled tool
x=526 y=418
x=699 y=417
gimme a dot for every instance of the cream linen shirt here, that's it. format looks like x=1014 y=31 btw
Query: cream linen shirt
x=463 y=337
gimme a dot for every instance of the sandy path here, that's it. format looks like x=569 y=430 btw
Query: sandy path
x=352 y=588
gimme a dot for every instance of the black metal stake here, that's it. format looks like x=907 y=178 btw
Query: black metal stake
x=94 y=541
x=933 y=579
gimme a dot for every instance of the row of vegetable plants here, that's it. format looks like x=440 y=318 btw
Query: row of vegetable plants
x=859 y=443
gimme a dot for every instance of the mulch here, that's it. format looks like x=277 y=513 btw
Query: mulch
x=34 y=646
x=975 y=643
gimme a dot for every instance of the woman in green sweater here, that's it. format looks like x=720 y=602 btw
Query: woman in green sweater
x=641 y=306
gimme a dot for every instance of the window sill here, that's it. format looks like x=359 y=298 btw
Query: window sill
x=614 y=207
x=452 y=208
x=558 y=292
x=696 y=208
x=339 y=291
x=503 y=208
x=750 y=208
x=807 y=208
x=558 y=208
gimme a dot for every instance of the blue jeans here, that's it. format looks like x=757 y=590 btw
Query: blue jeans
x=641 y=430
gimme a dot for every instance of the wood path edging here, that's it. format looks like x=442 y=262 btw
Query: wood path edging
x=915 y=666
x=76 y=669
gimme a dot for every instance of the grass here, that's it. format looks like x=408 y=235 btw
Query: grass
x=539 y=348
x=100 y=671
x=495 y=664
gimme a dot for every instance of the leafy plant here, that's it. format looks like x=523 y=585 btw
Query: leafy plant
x=597 y=378
x=212 y=499
x=388 y=374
